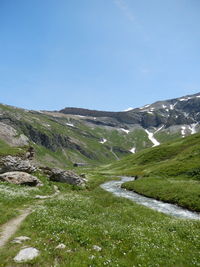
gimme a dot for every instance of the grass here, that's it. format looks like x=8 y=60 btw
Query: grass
x=128 y=234
x=182 y=192
x=13 y=198
x=169 y=172
x=85 y=138
x=5 y=149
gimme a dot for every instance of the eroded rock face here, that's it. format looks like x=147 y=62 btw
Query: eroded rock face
x=11 y=137
x=10 y=163
x=20 y=178
x=62 y=176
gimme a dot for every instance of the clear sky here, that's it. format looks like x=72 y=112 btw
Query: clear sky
x=98 y=54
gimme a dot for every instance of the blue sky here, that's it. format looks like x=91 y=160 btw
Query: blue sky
x=98 y=54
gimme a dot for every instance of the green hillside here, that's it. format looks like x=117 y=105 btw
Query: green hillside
x=169 y=172
x=63 y=139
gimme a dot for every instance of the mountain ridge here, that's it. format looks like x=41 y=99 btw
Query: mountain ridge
x=81 y=135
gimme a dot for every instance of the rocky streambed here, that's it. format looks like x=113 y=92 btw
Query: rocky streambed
x=169 y=209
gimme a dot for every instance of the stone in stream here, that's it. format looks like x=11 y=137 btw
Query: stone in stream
x=26 y=254
x=20 y=239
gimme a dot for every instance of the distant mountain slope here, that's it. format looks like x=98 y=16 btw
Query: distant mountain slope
x=80 y=135
x=184 y=110
x=176 y=158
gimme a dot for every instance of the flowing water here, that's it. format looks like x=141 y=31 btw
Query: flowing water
x=169 y=209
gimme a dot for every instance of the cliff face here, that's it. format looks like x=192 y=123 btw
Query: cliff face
x=184 y=110
x=90 y=136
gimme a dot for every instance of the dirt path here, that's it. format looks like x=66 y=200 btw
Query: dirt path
x=9 y=228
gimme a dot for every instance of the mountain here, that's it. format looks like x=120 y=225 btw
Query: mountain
x=76 y=135
x=184 y=110
x=67 y=225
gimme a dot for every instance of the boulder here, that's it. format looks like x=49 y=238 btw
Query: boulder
x=20 y=239
x=97 y=248
x=69 y=177
x=10 y=163
x=61 y=246
x=11 y=136
x=26 y=254
x=20 y=178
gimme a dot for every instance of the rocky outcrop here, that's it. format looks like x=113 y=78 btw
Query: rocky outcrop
x=10 y=163
x=11 y=137
x=69 y=177
x=178 y=111
x=20 y=178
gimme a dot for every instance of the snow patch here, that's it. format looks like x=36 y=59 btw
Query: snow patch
x=80 y=116
x=159 y=129
x=152 y=138
x=128 y=109
x=186 y=114
x=124 y=130
x=192 y=128
x=70 y=124
x=103 y=141
x=146 y=106
x=183 y=133
x=185 y=99
x=132 y=150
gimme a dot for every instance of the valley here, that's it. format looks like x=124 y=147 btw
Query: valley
x=75 y=153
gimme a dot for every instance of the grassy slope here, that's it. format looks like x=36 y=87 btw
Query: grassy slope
x=5 y=149
x=170 y=172
x=129 y=234
x=82 y=134
x=13 y=198
x=86 y=135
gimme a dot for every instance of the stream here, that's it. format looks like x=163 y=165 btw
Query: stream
x=169 y=209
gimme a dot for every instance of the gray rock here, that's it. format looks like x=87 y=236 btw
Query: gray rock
x=20 y=178
x=97 y=248
x=42 y=197
x=26 y=254
x=61 y=246
x=11 y=137
x=10 y=163
x=20 y=239
x=70 y=177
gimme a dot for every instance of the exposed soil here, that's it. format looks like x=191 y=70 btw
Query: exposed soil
x=9 y=228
